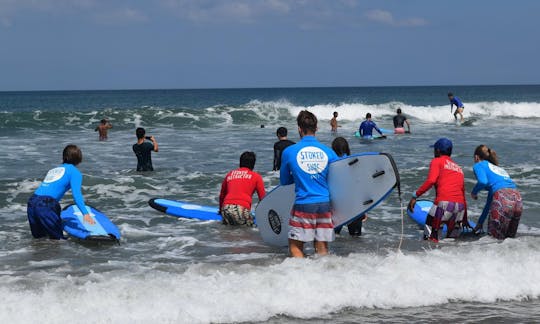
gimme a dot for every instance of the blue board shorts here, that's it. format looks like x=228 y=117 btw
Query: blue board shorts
x=311 y=222
x=44 y=217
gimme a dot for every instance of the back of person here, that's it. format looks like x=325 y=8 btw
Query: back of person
x=143 y=152
x=279 y=147
x=493 y=176
x=58 y=181
x=399 y=121
x=449 y=179
x=366 y=128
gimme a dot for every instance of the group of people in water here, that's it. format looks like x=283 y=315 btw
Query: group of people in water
x=306 y=164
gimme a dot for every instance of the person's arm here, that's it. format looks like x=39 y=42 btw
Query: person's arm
x=156 y=148
x=408 y=125
x=75 y=183
x=109 y=125
x=482 y=180
x=261 y=192
x=222 y=193
x=377 y=128
x=285 y=176
x=485 y=212
x=433 y=175
x=361 y=129
x=276 y=157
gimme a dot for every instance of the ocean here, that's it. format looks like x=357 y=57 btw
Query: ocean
x=169 y=270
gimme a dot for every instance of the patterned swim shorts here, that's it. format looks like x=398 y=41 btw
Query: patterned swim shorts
x=505 y=213
x=236 y=215
x=445 y=212
x=311 y=222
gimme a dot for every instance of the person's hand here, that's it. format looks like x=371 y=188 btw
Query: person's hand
x=87 y=218
x=152 y=138
x=412 y=202
x=474 y=196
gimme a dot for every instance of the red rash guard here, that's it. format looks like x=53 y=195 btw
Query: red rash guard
x=238 y=188
x=448 y=179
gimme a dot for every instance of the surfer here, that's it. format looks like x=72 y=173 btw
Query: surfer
x=43 y=207
x=143 y=150
x=367 y=126
x=341 y=147
x=103 y=129
x=334 y=123
x=504 y=204
x=306 y=165
x=237 y=190
x=399 y=123
x=279 y=146
x=450 y=206
x=459 y=106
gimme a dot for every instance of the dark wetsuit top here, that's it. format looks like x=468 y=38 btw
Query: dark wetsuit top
x=279 y=146
x=144 y=156
x=399 y=121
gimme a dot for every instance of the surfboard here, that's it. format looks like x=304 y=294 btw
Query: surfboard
x=357 y=184
x=102 y=230
x=369 y=138
x=185 y=209
x=421 y=210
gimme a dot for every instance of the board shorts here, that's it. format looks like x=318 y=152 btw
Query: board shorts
x=399 y=130
x=505 y=213
x=445 y=212
x=236 y=215
x=44 y=217
x=311 y=222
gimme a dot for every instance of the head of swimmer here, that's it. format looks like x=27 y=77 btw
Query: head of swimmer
x=247 y=160
x=307 y=123
x=72 y=154
x=483 y=152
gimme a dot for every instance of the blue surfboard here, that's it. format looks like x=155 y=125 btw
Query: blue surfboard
x=185 y=209
x=421 y=210
x=102 y=230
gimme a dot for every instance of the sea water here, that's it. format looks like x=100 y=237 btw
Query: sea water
x=171 y=270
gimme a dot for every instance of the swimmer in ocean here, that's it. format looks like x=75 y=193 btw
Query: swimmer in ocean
x=103 y=129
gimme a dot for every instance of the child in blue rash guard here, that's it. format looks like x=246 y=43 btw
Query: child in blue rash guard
x=306 y=164
x=367 y=126
x=459 y=106
x=43 y=206
x=504 y=204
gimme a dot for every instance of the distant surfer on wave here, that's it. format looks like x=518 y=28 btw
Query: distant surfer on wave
x=367 y=126
x=306 y=164
x=450 y=206
x=504 y=204
x=459 y=106
x=43 y=207
x=399 y=123
x=237 y=190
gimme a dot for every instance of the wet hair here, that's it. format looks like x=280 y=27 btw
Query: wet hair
x=104 y=121
x=368 y=115
x=485 y=153
x=450 y=94
x=447 y=152
x=335 y=114
x=247 y=160
x=72 y=154
x=140 y=132
x=341 y=146
x=307 y=122
x=398 y=111
x=281 y=132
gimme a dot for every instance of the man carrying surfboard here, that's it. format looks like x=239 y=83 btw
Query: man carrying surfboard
x=306 y=165
x=450 y=206
x=43 y=207
x=459 y=106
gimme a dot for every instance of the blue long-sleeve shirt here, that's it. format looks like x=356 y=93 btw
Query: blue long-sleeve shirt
x=366 y=128
x=456 y=101
x=61 y=179
x=491 y=178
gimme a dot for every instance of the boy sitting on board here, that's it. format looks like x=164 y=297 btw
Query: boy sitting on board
x=450 y=206
x=237 y=191
x=306 y=165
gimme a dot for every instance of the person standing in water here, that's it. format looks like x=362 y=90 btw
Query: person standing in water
x=399 y=123
x=450 y=205
x=43 y=208
x=237 y=190
x=459 y=106
x=367 y=126
x=341 y=147
x=504 y=205
x=279 y=146
x=103 y=129
x=306 y=164
x=143 y=150
x=334 y=123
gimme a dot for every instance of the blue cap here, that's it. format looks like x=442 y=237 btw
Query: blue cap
x=442 y=144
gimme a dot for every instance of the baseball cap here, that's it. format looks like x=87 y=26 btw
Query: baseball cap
x=442 y=144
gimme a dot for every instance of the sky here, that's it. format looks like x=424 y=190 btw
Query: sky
x=156 y=44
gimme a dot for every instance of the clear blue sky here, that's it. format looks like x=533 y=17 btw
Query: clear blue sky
x=115 y=44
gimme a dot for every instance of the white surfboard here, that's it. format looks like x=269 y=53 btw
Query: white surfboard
x=357 y=184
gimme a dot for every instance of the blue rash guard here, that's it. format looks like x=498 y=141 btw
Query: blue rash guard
x=456 y=101
x=306 y=164
x=59 y=180
x=491 y=178
x=366 y=128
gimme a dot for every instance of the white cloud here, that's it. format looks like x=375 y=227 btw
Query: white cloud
x=386 y=17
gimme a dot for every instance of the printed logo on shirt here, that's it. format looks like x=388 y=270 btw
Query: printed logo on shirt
x=236 y=174
x=449 y=165
x=312 y=160
x=54 y=174
x=498 y=170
